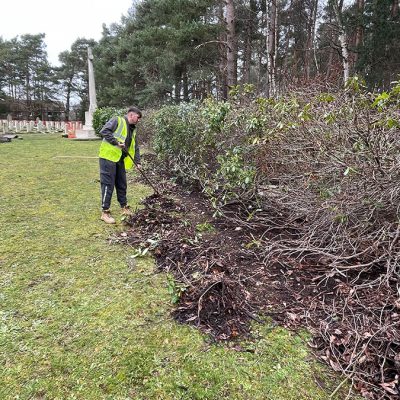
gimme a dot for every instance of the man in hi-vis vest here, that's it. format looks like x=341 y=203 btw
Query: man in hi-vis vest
x=119 y=134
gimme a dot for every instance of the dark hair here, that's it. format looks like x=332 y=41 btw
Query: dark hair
x=135 y=110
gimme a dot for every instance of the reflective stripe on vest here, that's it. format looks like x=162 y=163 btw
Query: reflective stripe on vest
x=127 y=160
x=121 y=131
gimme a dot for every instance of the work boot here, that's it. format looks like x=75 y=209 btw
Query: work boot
x=126 y=211
x=107 y=218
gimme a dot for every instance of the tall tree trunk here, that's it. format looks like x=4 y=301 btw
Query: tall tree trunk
x=247 y=53
x=271 y=48
x=261 y=51
x=185 y=84
x=314 y=42
x=222 y=67
x=310 y=38
x=231 y=48
x=359 y=30
x=12 y=90
x=248 y=41
x=178 y=83
x=177 y=90
x=286 y=53
x=395 y=8
x=259 y=72
x=68 y=99
x=27 y=87
x=209 y=87
x=307 y=53
x=330 y=55
x=337 y=9
x=294 y=39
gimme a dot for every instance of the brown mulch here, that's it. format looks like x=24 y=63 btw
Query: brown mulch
x=227 y=284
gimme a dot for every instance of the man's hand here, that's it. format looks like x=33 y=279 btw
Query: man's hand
x=121 y=145
x=139 y=166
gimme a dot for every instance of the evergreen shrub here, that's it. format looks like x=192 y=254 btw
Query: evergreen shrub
x=207 y=143
x=315 y=142
x=103 y=114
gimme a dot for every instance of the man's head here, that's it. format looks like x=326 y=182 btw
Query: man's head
x=133 y=115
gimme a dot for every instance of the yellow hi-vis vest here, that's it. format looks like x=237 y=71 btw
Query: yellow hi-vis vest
x=114 y=153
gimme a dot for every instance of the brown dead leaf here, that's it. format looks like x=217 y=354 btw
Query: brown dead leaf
x=389 y=387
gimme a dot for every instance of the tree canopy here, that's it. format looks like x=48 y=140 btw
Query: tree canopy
x=169 y=51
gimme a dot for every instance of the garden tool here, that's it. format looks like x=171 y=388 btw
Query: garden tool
x=143 y=174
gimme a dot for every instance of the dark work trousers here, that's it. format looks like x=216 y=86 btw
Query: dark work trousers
x=112 y=174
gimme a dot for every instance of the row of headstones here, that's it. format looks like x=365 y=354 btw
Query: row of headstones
x=39 y=126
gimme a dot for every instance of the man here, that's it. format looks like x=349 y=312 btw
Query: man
x=119 y=136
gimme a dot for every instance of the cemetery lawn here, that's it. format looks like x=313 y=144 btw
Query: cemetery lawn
x=78 y=321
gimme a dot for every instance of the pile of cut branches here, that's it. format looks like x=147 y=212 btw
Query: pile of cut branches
x=330 y=202
x=244 y=267
x=305 y=197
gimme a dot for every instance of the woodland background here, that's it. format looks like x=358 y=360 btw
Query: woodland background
x=169 y=51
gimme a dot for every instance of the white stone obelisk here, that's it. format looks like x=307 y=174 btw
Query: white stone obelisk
x=87 y=131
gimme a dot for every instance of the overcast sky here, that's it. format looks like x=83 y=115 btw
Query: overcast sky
x=62 y=21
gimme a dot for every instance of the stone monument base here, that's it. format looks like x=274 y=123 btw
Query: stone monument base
x=86 y=134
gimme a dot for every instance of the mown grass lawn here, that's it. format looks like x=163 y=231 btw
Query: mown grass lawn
x=79 y=322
